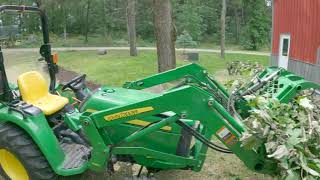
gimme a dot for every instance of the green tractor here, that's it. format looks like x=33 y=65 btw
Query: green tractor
x=49 y=131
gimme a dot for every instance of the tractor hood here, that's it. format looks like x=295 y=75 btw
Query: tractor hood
x=107 y=97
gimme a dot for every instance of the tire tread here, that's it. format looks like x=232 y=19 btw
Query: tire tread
x=19 y=143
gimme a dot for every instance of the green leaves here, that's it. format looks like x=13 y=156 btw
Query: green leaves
x=244 y=68
x=185 y=40
x=281 y=152
x=249 y=141
x=189 y=18
x=257 y=28
x=306 y=103
x=289 y=132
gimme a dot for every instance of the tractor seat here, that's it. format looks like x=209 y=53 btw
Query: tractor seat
x=34 y=90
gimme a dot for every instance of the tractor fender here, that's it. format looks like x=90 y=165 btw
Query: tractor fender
x=39 y=130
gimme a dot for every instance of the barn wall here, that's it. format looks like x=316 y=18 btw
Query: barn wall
x=274 y=60
x=300 y=19
x=318 y=58
x=309 y=71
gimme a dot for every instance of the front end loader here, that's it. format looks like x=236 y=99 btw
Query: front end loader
x=66 y=129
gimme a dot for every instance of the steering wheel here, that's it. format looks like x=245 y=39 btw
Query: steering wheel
x=76 y=83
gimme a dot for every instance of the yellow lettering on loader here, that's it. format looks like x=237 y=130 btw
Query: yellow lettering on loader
x=128 y=113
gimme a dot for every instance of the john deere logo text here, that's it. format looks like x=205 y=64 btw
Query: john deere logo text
x=128 y=113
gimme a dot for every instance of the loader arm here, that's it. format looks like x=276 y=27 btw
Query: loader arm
x=198 y=98
x=212 y=116
x=191 y=72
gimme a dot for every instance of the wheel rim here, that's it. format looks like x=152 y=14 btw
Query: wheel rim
x=12 y=166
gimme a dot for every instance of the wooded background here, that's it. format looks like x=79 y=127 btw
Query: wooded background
x=248 y=22
x=166 y=23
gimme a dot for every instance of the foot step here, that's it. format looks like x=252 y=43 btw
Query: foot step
x=76 y=155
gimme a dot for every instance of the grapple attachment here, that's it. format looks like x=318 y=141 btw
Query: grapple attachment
x=277 y=83
x=285 y=85
x=273 y=82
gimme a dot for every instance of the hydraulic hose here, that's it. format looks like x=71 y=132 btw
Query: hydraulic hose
x=203 y=139
x=255 y=86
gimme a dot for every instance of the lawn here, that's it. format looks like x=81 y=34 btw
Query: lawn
x=117 y=67
x=101 y=41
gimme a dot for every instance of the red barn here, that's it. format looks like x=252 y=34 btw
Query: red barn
x=296 y=37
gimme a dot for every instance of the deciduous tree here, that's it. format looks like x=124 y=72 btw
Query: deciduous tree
x=87 y=20
x=131 y=24
x=223 y=28
x=165 y=35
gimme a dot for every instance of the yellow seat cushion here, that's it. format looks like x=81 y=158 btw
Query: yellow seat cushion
x=34 y=90
x=50 y=104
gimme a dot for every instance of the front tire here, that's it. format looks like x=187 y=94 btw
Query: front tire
x=20 y=157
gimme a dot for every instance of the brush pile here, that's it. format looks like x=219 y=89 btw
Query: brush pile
x=290 y=133
x=246 y=68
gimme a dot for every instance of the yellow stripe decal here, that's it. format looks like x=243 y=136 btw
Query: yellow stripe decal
x=136 y=121
x=128 y=113
x=91 y=110
x=145 y=123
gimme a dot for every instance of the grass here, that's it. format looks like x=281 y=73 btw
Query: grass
x=79 y=41
x=118 y=67
x=118 y=41
x=230 y=46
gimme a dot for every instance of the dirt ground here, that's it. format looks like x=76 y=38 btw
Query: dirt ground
x=65 y=75
x=217 y=166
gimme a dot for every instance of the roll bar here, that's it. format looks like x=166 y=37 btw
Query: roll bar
x=45 y=49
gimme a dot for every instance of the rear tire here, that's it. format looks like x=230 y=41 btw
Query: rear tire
x=17 y=143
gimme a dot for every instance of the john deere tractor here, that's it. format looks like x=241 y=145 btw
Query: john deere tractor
x=49 y=131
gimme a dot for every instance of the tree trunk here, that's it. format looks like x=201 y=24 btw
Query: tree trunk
x=131 y=25
x=105 y=19
x=20 y=20
x=243 y=20
x=87 y=21
x=65 y=25
x=237 y=19
x=165 y=35
x=65 y=33
x=223 y=28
